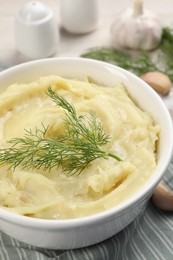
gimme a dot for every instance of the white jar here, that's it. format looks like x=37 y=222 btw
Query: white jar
x=79 y=16
x=36 y=31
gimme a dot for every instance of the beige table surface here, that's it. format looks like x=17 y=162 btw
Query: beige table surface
x=74 y=45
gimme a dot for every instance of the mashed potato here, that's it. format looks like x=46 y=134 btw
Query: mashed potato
x=105 y=182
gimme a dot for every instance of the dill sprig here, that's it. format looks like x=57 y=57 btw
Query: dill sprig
x=141 y=61
x=73 y=151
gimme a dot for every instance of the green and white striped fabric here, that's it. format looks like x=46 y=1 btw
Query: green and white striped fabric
x=149 y=237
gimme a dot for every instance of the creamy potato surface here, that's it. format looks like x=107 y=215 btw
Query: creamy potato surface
x=105 y=182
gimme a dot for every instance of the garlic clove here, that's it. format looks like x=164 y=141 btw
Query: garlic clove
x=159 y=81
x=163 y=197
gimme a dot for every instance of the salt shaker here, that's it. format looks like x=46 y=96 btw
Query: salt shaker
x=79 y=16
x=36 y=31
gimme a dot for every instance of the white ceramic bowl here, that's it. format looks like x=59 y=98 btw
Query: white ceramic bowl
x=75 y=233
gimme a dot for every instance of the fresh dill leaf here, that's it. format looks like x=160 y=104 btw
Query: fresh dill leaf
x=139 y=65
x=142 y=61
x=73 y=151
x=167 y=51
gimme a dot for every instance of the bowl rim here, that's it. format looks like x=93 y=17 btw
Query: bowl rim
x=111 y=212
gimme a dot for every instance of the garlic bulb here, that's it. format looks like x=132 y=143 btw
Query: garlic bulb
x=136 y=29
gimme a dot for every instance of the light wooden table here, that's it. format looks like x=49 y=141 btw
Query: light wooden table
x=74 y=45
